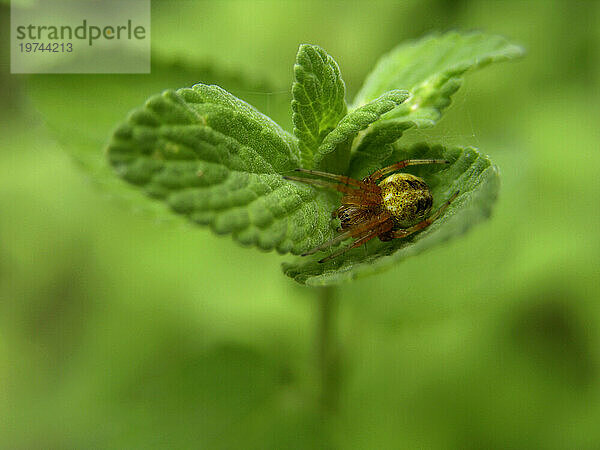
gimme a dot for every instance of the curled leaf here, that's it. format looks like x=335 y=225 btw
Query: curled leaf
x=469 y=172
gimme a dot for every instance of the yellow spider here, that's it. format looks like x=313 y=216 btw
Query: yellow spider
x=393 y=208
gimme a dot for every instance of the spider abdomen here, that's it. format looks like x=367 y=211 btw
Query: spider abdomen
x=406 y=197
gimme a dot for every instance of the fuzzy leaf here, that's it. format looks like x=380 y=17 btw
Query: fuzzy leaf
x=215 y=159
x=334 y=152
x=431 y=70
x=376 y=147
x=318 y=99
x=469 y=171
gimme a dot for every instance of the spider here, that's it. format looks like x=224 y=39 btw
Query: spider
x=395 y=207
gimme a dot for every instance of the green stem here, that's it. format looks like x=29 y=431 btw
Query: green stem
x=327 y=350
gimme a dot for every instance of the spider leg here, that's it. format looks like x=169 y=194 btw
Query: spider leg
x=353 y=196
x=341 y=178
x=362 y=199
x=353 y=232
x=382 y=228
x=401 y=165
x=324 y=184
x=424 y=223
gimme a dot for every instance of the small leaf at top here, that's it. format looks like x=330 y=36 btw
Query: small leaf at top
x=334 y=153
x=469 y=172
x=213 y=158
x=318 y=99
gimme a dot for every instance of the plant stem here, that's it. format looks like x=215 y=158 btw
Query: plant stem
x=327 y=350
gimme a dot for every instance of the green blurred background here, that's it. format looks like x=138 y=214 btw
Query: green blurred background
x=118 y=330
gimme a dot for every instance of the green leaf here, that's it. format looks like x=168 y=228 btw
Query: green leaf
x=334 y=152
x=318 y=99
x=212 y=158
x=218 y=161
x=375 y=147
x=469 y=172
x=431 y=70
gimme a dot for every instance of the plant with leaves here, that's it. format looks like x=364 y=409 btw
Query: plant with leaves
x=215 y=159
x=202 y=153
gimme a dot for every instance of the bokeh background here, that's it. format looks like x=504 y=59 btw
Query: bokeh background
x=118 y=330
